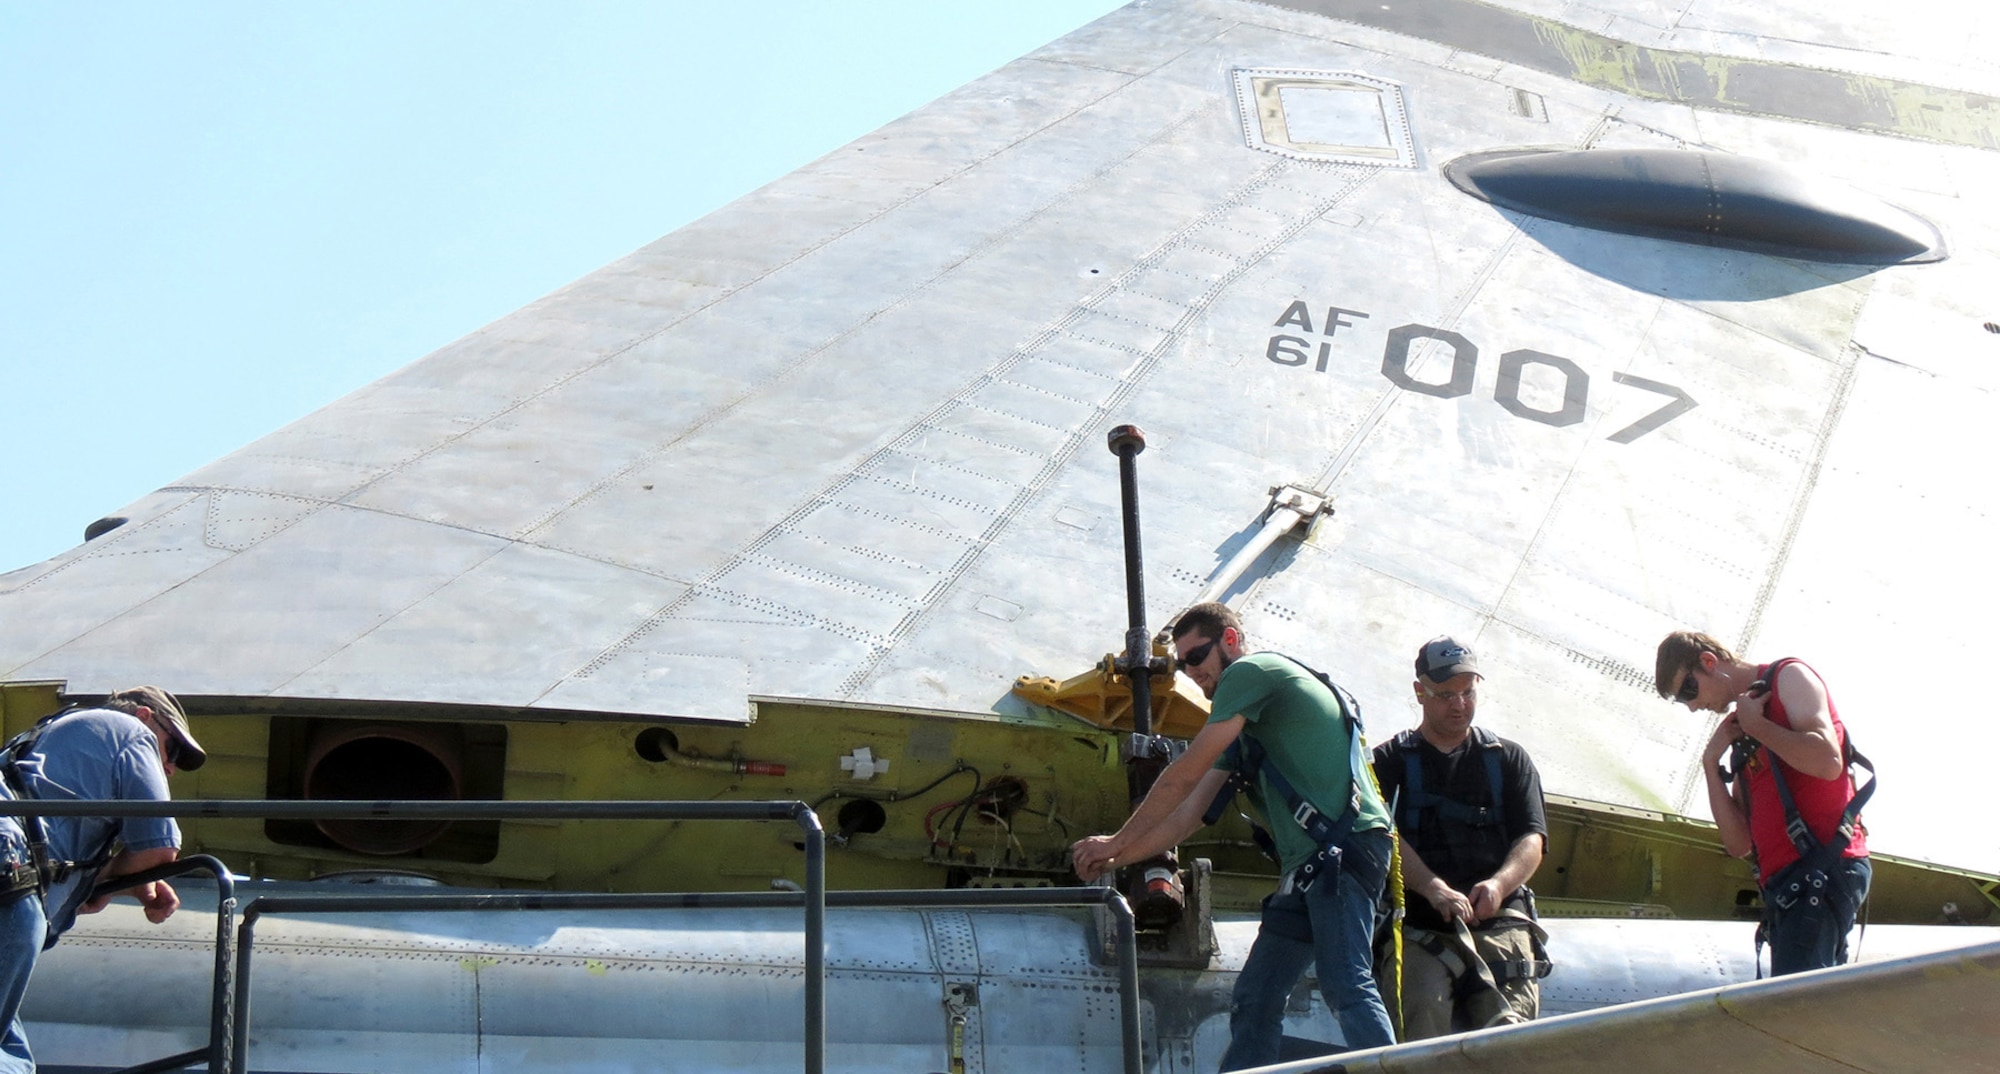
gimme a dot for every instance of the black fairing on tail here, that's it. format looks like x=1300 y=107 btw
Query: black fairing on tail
x=1705 y=198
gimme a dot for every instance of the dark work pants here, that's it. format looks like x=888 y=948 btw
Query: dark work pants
x=1331 y=927
x=1812 y=934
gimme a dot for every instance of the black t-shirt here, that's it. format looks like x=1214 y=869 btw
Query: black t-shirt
x=1461 y=854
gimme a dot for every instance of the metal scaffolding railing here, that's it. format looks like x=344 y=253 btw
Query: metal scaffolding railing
x=221 y=995
x=222 y=1061
x=227 y=1052
x=980 y=898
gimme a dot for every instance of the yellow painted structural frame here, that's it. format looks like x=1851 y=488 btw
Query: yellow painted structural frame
x=1047 y=779
x=1102 y=696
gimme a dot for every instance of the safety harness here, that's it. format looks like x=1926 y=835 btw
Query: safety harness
x=1490 y=972
x=1814 y=877
x=1415 y=799
x=1456 y=949
x=1458 y=952
x=1247 y=761
x=42 y=870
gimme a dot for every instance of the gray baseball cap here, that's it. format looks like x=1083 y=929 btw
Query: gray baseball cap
x=1443 y=657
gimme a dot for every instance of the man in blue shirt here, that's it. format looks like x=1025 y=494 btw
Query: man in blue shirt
x=124 y=749
x=1323 y=912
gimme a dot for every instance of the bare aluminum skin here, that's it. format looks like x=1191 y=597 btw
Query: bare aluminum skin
x=842 y=440
x=839 y=439
x=697 y=991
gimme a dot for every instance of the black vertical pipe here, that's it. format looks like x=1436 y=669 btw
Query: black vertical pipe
x=1126 y=442
x=239 y=1046
x=1128 y=983
x=1151 y=885
x=222 y=999
x=815 y=930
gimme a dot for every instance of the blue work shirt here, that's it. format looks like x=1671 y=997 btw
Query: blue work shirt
x=93 y=754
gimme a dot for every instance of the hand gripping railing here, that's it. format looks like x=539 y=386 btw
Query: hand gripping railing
x=221 y=995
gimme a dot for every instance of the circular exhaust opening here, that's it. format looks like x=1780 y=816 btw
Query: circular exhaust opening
x=860 y=817
x=656 y=744
x=382 y=763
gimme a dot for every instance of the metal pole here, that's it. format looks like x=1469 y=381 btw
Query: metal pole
x=1291 y=508
x=221 y=1006
x=240 y=1039
x=815 y=939
x=1128 y=981
x=1127 y=441
x=172 y=1062
x=1127 y=945
x=362 y=809
x=1153 y=884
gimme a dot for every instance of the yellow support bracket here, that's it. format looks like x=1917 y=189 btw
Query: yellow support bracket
x=1103 y=697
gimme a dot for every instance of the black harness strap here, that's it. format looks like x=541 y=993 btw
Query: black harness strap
x=1458 y=952
x=1416 y=799
x=42 y=870
x=1247 y=761
x=1807 y=844
x=1796 y=829
x=1816 y=870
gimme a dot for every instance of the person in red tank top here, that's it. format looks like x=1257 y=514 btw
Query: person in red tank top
x=1785 y=708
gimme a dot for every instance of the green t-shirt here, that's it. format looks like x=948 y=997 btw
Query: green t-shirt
x=1297 y=720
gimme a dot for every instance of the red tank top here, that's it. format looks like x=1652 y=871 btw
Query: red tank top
x=1820 y=801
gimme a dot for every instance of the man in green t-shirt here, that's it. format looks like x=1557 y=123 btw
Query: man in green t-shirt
x=1322 y=915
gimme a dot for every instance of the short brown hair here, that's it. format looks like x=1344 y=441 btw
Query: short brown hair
x=1679 y=654
x=1211 y=618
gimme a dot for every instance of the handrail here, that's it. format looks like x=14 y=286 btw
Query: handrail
x=222 y=994
x=233 y=1005
x=343 y=809
x=798 y=812
x=963 y=898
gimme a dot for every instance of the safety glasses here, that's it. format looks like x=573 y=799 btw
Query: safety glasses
x=170 y=742
x=1195 y=656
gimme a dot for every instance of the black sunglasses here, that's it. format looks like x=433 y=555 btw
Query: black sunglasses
x=1194 y=657
x=1689 y=688
x=170 y=742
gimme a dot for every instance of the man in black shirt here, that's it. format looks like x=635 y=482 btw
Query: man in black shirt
x=1469 y=809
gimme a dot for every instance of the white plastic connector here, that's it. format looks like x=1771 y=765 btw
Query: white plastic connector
x=863 y=763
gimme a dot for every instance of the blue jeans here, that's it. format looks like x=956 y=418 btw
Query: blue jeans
x=21 y=933
x=1332 y=926
x=1812 y=934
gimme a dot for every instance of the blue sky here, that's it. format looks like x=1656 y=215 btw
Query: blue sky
x=216 y=218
